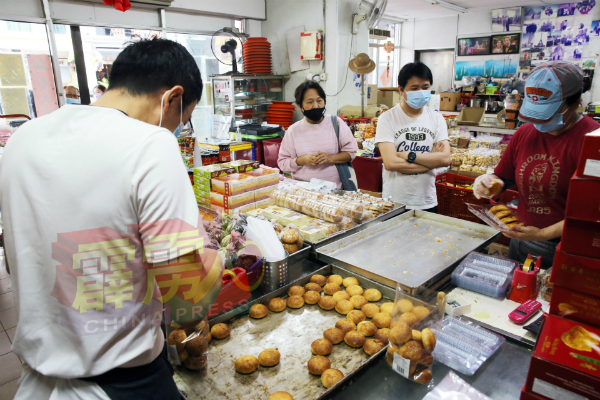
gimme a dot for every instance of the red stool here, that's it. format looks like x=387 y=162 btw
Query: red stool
x=369 y=173
x=271 y=151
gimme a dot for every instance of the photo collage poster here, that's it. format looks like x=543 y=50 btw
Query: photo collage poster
x=558 y=32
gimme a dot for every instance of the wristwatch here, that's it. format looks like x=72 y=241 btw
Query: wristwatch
x=412 y=156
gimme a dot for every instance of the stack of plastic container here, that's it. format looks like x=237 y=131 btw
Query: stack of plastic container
x=485 y=274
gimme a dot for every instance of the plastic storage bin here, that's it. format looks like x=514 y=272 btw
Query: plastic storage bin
x=485 y=274
x=369 y=173
x=452 y=200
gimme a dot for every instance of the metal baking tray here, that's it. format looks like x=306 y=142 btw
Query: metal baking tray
x=291 y=332
x=300 y=255
x=398 y=209
x=416 y=249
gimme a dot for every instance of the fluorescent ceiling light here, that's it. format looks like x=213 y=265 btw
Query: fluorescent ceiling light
x=450 y=6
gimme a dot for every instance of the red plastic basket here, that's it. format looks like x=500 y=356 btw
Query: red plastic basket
x=452 y=200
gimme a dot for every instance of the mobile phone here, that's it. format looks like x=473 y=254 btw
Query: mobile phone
x=525 y=311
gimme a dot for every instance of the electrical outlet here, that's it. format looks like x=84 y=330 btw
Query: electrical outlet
x=316 y=78
x=323 y=76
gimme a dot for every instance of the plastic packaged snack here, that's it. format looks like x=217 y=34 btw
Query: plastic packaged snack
x=346 y=223
x=187 y=344
x=484 y=274
x=498 y=215
x=291 y=239
x=412 y=341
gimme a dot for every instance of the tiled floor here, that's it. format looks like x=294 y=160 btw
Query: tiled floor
x=10 y=364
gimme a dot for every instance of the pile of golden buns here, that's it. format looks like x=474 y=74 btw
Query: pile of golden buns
x=290 y=238
x=505 y=215
x=191 y=341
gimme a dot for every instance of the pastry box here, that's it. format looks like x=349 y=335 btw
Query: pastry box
x=576 y=306
x=584 y=199
x=589 y=160
x=212 y=171
x=285 y=216
x=243 y=165
x=263 y=203
x=576 y=272
x=313 y=234
x=264 y=176
x=581 y=237
x=571 y=344
x=233 y=184
x=264 y=193
x=231 y=202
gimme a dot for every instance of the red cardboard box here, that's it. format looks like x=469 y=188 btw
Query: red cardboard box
x=575 y=306
x=576 y=272
x=531 y=396
x=589 y=160
x=584 y=199
x=550 y=380
x=581 y=238
x=571 y=344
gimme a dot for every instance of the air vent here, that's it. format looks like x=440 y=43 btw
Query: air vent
x=379 y=34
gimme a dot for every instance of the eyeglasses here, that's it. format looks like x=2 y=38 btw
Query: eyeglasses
x=189 y=131
x=71 y=96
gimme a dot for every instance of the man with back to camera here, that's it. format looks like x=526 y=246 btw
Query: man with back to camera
x=413 y=141
x=87 y=177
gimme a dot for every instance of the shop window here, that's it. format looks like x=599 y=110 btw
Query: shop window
x=60 y=29
x=18 y=26
x=386 y=57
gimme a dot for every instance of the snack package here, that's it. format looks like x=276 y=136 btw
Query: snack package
x=410 y=352
x=187 y=344
x=346 y=223
x=291 y=239
x=497 y=215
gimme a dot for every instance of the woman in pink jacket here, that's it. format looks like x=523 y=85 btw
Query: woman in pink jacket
x=310 y=146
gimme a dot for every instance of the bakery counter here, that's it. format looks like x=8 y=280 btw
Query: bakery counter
x=501 y=378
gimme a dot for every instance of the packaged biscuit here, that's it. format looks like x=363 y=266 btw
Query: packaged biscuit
x=232 y=184
x=231 y=202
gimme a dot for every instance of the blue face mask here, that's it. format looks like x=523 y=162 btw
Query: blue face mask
x=72 y=101
x=177 y=131
x=418 y=98
x=555 y=123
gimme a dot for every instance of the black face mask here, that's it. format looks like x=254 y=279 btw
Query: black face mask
x=314 y=114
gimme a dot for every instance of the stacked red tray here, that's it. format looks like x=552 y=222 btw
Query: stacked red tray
x=281 y=113
x=257 y=56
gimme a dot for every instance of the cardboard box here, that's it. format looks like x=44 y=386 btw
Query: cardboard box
x=576 y=272
x=570 y=344
x=231 y=202
x=233 y=184
x=313 y=234
x=388 y=96
x=576 y=306
x=243 y=166
x=497 y=249
x=212 y=171
x=557 y=382
x=372 y=95
x=589 y=160
x=285 y=216
x=354 y=111
x=263 y=203
x=264 y=193
x=584 y=199
x=264 y=177
x=449 y=101
x=471 y=116
x=581 y=238
x=530 y=396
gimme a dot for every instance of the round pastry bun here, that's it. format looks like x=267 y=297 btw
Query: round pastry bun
x=428 y=340
x=420 y=311
x=354 y=290
x=318 y=364
x=220 y=331
x=335 y=279
x=411 y=350
x=315 y=287
x=281 y=396
x=330 y=377
x=269 y=357
x=183 y=355
x=426 y=360
x=499 y=208
x=400 y=333
x=312 y=297
x=209 y=337
x=403 y=306
x=334 y=335
x=341 y=295
x=383 y=334
x=409 y=318
x=350 y=281
x=372 y=294
x=355 y=339
x=416 y=335
x=176 y=339
x=423 y=376
x=196 y=346
x=246 y=364
x=277 y=304
x=295 y=302
x=319 y=279
x=327 y=303
x=370 y=310
x=258 y=311
x=356 y=316
x=344 y=307
x=345 y=325
x=331 y=288
x=387 y=308
x=372 y=346
x=367 y=328
x=196 y=363
x=382 y=320
x=296 y=291
x=321 y=347
x=358 y=301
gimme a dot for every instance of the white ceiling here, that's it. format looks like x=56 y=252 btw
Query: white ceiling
x=424 y=9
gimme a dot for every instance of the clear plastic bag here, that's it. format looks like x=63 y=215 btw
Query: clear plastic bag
x=452 y=387
x=496 y=220
x=412 y=342
x=187 y=344
x=291 y=239
x=346 y=223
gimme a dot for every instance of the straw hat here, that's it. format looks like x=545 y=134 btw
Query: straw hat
x=361 y=64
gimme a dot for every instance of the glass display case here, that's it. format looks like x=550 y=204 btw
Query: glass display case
x=246 y=96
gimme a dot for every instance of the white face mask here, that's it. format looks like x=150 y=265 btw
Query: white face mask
x=180 y=127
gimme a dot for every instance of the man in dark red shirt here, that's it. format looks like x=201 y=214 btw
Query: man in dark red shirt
x=542 y=157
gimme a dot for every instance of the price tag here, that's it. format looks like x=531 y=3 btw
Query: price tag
x=401 y=365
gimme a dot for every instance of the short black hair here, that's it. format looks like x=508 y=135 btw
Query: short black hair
x=149 y=65
x=417 y=69
x=585 y=86
x=304 y=87
x=101 y=87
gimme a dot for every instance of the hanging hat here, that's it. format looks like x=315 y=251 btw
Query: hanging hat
x=361 y=64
